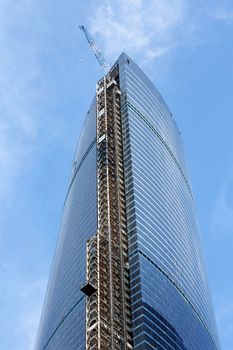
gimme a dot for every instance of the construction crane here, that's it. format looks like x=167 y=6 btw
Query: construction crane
x=96 y=50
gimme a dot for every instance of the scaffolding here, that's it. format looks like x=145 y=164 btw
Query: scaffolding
x=108 y=307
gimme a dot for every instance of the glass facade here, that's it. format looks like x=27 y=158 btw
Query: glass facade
x=171 y=306
x=62 y=325
x=170 y=302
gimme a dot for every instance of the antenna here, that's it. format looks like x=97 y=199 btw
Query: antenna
x=96 y=50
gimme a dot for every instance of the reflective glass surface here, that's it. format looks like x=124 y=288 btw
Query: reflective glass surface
x=170 y=297
x=171 y=306
x=62 y=325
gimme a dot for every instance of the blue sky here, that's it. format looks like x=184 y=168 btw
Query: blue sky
x=47 y=81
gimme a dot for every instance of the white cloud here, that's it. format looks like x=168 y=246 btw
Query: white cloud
x=21 y=305
x=24 y=89
x=223 y=11
x=20 y=123
x=19 y=67
x=27 y=127
x=223 y=211
x=28 y=318
x=149 y=28
x=224 y=317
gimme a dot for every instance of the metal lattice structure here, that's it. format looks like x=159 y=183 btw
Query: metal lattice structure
x=96 y=50
x=108 y=307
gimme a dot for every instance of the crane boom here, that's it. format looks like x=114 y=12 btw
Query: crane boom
x=96 y=50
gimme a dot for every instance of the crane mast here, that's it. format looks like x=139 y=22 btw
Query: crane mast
x=96 y=50
x=107 y=284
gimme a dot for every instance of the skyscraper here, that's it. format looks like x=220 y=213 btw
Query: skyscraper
x=128 y=270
